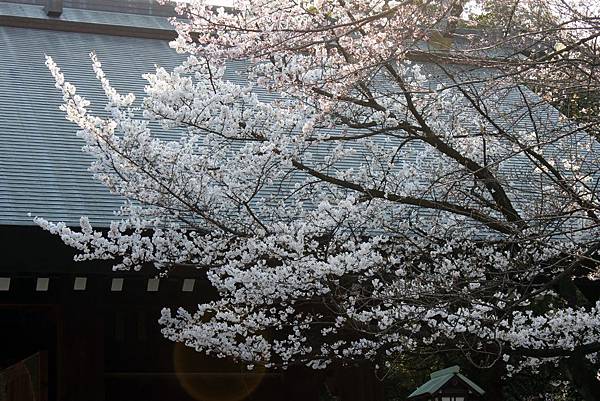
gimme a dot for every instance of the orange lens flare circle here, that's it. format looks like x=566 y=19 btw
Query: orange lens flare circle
x=212 y=379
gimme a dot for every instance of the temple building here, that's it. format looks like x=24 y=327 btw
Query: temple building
x=79 y=331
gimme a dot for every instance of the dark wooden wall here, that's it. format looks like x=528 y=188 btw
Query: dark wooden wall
x=107 y=345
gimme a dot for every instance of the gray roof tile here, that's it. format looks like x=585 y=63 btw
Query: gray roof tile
x=42 y=168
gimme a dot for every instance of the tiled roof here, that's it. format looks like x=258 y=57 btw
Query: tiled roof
x=86 y=20
x=43 y=171
x=439 y=378
x=42 y=168
x=142 y=7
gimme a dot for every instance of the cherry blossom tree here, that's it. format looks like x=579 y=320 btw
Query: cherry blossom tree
x=390 y=178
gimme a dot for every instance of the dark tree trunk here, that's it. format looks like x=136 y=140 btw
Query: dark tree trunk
x=577 y=368
x=356 y=383
x=302 y=384
x=491 y=382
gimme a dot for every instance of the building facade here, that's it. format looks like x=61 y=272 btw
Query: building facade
x=78 y=331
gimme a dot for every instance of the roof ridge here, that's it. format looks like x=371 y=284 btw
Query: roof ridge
x=87 y=21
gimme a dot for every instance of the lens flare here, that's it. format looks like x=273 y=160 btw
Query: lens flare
x=213 y=379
